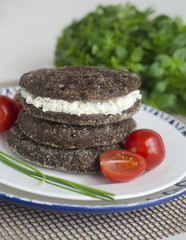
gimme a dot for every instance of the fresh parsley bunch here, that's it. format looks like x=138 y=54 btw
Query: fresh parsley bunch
x=154 y=47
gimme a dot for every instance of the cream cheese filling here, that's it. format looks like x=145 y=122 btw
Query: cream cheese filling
x=110 y=106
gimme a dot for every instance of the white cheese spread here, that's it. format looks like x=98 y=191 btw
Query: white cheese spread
x=110 y=106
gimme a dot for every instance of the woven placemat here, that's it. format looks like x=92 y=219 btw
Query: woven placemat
x=163 y=220
x=9 y=83
x=167 y=219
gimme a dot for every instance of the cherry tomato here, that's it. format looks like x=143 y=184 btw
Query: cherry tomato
x=148 y=144
x=19 y=106
x=121 y=165
x=8 y=112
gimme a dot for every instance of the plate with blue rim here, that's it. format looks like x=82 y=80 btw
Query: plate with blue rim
x=161 y=184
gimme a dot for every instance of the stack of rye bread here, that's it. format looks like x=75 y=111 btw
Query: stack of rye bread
x=73 y=114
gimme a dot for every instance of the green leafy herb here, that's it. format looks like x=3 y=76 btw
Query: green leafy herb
x=154 y=47
x=59 y=182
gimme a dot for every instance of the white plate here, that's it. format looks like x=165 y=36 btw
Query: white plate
x=61 y=205
x=171 y=171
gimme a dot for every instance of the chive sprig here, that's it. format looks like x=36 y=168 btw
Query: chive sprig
x=33 y=172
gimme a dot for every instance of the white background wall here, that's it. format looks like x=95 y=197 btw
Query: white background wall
x=29 y=28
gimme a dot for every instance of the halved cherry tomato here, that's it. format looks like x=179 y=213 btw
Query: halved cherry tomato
x=19 y=106
x=148 y=144
x=8 y=112
x=122 y=165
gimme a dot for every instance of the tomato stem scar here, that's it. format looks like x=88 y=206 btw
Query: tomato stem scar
x=133 y=149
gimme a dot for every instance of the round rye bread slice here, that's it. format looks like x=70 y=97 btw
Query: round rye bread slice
x=75 y=161
x=83 y=84
x=80 y=83
x=74 y=136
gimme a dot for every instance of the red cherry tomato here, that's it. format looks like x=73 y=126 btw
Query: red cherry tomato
x=121 y=165
x=19 y=106
x=148 y=144
x=8 y=112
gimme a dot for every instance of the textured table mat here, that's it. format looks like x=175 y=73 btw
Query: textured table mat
x=163 y=220
x=9 y=84
x=167 y=219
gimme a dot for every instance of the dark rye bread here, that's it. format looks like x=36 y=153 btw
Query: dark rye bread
x=74 y=136
x=93 y=119
x=83 y=83
x=75 y=161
